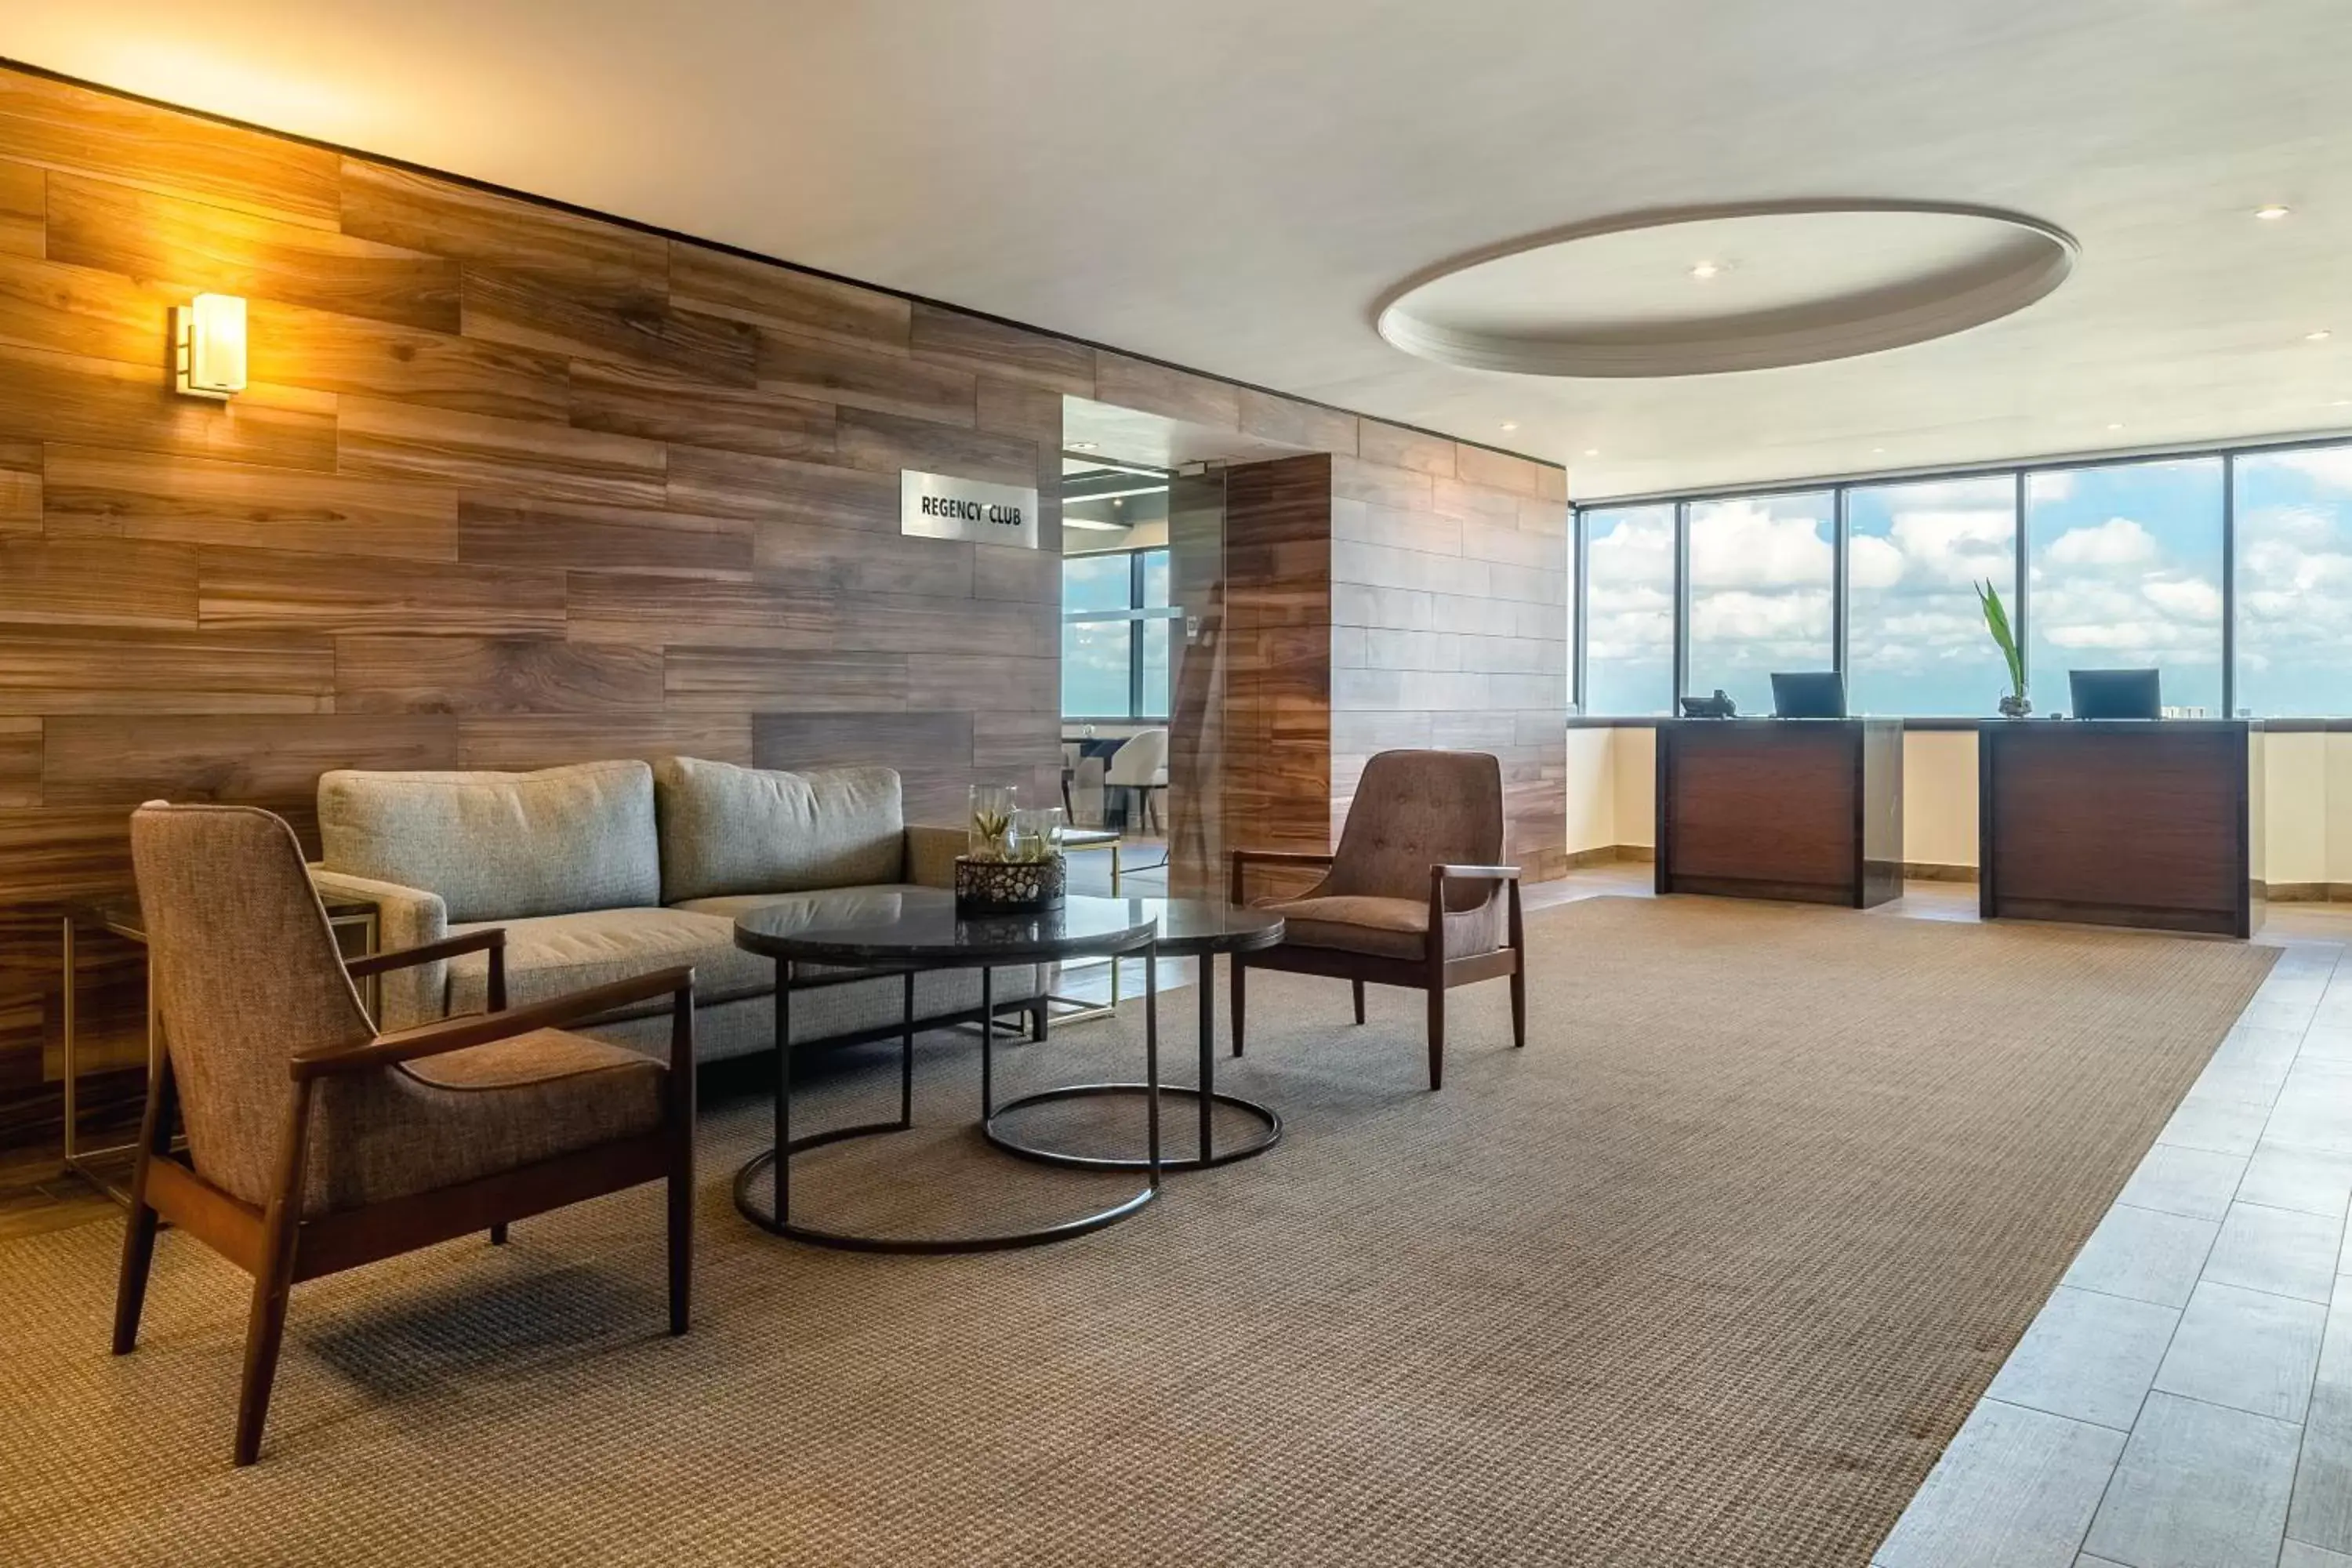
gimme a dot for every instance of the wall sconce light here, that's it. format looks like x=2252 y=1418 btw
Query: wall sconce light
x=209 y=332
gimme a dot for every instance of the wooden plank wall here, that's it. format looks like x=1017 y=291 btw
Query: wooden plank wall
x=512 y=486
x=1449 y=622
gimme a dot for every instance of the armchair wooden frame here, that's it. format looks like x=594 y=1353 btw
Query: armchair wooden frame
x=281 y=1247
x=1432 y=972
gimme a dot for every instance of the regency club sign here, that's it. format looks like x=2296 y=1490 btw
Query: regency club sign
x=940 y=506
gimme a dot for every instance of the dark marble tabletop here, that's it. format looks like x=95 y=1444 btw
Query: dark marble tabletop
x=919 y=925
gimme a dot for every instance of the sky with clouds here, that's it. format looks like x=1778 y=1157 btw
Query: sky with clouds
x=2126 y=572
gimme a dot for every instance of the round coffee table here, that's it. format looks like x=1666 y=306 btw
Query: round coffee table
x=1201 y=927
x=907 y=932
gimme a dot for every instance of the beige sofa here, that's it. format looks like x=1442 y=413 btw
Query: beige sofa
x=604 y=870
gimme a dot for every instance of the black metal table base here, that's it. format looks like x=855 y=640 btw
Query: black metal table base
x=777 y=1218
x=1205 y=1098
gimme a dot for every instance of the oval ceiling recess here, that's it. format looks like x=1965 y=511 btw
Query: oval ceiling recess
x=1702 y=291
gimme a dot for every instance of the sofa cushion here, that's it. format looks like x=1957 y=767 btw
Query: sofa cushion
x=556 y=955
x=499 y=845
x=726 y=829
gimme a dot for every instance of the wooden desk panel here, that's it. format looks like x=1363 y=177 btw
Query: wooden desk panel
x=1803 y=809
x=2117 y=823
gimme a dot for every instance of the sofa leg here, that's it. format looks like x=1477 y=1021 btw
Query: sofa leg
x=498 y=1234
x=1358 y=986
x=1436 y=1037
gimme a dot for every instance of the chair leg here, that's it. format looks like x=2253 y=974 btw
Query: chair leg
x=1518 y=934
x=1358 y=986
x=264 y=1329
x=1240 y=969
x=139 y=1233
x=498 y=1234
x=1436 y=1037
x=681 y=1247
x=1038 y=1021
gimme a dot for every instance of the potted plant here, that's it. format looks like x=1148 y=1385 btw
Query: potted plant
x=2013 y=703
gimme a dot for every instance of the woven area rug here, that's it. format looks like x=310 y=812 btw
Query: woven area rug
x=1709 y=1274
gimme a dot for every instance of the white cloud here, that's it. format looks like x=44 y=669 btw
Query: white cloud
x=1744 y=544
x=2330 y=466
x=2188 y=598
x=2119 y=541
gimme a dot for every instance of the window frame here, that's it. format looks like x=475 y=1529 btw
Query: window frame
x=1133 y=618
x=2020 y=610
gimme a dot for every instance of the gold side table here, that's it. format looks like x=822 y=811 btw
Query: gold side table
x=121 y=917
x=1075 y=840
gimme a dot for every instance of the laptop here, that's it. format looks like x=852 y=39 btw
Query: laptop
x=1809 y=694
x=2115 y=694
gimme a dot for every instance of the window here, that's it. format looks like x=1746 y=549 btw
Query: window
x=1763 y=578
x=2294 y=525
x=1629 y=610
x=1116 y=625
x=2127 y=572
x=1915 y=639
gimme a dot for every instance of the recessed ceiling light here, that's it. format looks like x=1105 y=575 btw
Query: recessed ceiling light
x=1593 y=451
x=2117 y=426
x=1510 y=423
x=1082 y=446
x=1705 y=269
x=2271 y=213
x=2341 y=403
x=1878 y=451
x=2320 y=336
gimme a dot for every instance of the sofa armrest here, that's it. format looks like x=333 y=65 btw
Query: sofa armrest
x=404 y=917
x=931 y=855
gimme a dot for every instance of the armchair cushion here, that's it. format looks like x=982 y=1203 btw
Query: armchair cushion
x=499 y=845
x=726 y=829
x=444 y=1119
x=557 y=954
x=1389 y=928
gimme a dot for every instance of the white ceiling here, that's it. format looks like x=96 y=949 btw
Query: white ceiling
x=1233 y=184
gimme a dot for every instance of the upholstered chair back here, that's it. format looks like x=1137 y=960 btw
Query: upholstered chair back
x=1142 y=763
x=247 y=976
x=1412 y=810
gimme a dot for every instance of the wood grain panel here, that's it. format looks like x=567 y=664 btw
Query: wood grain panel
x=1026 y=576
x=662 y=407
x=58 y=854
x=81 y=310
x=1157 y=389
x=978 y=629
x=885 y=443
x=112 y=670
x=20 y=762
x=500 y=307
x=603 y=538
x=824 y=371
x=742 y=289
x=269 y=589
x=913 y=742
x=654 y=610
x=1016 y=408
x=809 y=559
x=1500 y=471
x=1394 y=446
x=1003 y=351
x=783 y=680
x=1306 y=426
x=492 y=675
x=522 y=741
x=62 y=127
x=23 y=194
x=1009 y=744
x=520 y=457
x=47 y=396
x=20 y=487
x=195 y=501
x=597 y=263
x=779 y=490
x=262 y=759
x=96 y=583
x=188 y=245
x=959 y=680
x=333 y=352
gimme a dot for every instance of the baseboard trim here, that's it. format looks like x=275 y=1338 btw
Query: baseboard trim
x=1610 y=854
x=2308 y=893
x=1932 y=871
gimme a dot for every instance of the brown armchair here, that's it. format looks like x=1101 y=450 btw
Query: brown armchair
x=315 y=1143
x=1413 y=896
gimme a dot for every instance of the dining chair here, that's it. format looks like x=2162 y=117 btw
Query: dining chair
x=316 y=1143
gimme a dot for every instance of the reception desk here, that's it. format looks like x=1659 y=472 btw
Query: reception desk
x=2133 y=823
x=1810 y=810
